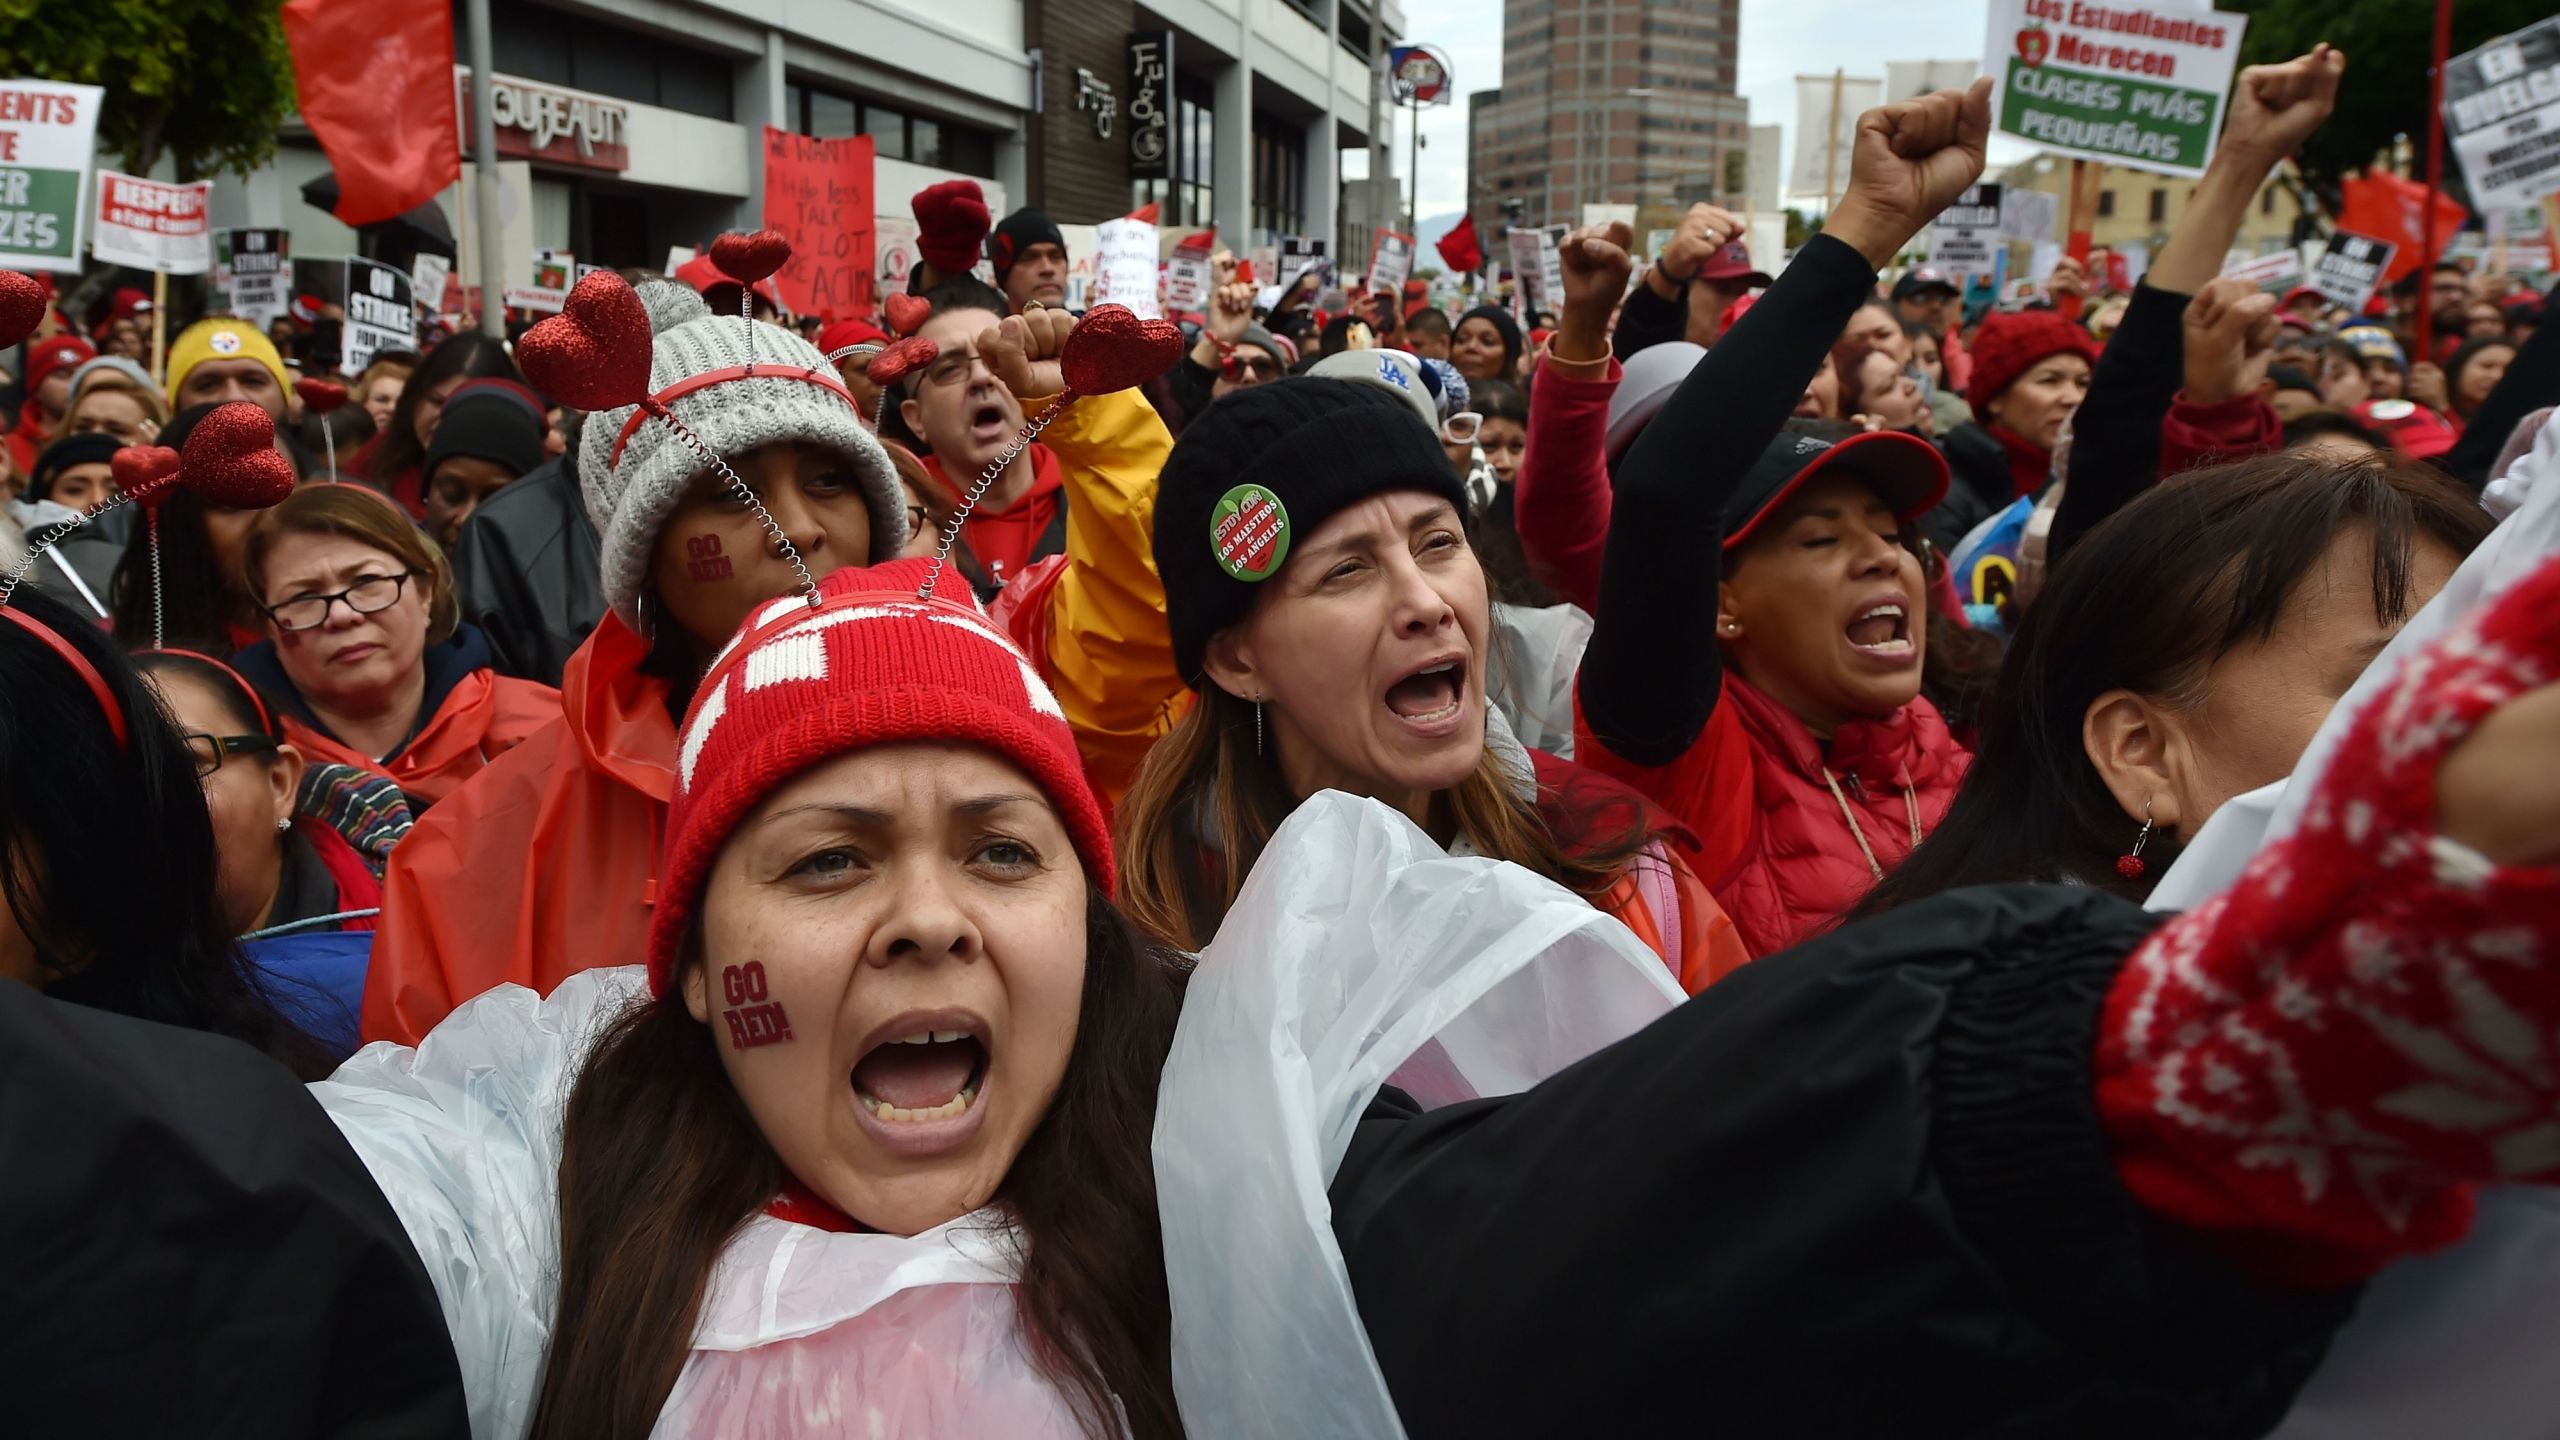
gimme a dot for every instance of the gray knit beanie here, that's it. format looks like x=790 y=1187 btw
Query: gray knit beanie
x=629 y=497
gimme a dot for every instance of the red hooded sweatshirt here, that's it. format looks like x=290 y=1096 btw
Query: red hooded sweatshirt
x=1007 y=541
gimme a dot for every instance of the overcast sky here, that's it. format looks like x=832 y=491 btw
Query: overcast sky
x=1781 y=39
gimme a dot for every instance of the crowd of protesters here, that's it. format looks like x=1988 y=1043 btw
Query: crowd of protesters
x=1346 y=866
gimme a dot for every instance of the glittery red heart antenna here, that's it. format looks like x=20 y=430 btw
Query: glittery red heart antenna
x=1110 y=350
x=748 y=258
x=320 y=397
x=896 y=361
x=594 y=355
x=142 y=476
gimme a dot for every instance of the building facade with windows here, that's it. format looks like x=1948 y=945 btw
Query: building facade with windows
x=1608 y=102
x=1231 y=113
x=2141 y=207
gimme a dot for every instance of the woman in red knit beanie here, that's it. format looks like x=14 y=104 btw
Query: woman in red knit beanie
x=2030 y=371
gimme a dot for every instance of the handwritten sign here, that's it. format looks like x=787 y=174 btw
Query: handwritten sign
x=818 y=192
x=1125 y=273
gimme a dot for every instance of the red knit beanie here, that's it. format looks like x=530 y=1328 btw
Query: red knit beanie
x=2010 y=343
x=952 y=221
x=871 y=665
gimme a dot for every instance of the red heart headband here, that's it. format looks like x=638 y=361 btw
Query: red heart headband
x=897 y=360
x=594 y=355
x=1110 y=350
x=320 y=397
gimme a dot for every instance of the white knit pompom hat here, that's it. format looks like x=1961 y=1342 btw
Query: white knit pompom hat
x=630 y=495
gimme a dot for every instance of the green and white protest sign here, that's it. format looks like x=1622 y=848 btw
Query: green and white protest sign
x=2142 y=86
x=48 y=137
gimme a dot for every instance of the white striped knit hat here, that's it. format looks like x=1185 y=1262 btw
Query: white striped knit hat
x=633 y=475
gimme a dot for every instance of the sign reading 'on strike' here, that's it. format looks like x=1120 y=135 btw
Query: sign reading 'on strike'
x=2133 y=85
x=818 y=193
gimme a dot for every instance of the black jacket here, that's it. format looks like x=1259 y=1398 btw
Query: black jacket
x=1857 y=1189
x=189 y=1247
x=1978 y=486
x=527 y=570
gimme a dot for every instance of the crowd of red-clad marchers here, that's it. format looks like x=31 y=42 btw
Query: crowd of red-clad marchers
x=1773 y=856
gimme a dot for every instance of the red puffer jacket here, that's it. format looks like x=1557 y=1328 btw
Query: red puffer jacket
x=1776 y=845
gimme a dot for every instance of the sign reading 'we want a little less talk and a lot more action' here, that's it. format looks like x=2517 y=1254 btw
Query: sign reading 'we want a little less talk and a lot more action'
x=2133 y=85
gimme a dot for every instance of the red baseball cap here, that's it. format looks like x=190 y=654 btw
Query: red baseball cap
x=1732 y=263
x=56 y=352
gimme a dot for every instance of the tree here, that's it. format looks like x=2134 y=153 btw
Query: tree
x=2388 y=43
x=1799 y=228
x=205 y=82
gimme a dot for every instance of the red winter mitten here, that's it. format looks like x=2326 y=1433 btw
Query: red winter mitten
x=952 y=221
x=2315 y=1067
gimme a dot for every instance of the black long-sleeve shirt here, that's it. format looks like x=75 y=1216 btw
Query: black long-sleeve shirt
x=1652 y=674
x=2115 y=434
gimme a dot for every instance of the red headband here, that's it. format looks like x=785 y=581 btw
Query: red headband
x=80 y=666
x=257 y=702
x=656 y=404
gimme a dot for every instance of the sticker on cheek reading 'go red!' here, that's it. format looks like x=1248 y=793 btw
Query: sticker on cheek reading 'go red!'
x=1249 y=533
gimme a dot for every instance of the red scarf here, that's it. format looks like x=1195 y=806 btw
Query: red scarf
x=2030 y=464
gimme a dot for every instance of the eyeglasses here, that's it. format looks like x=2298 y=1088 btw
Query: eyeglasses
x=368 y=596
x=950 y=367
x=209 y=751
x=1238 y=366
x=1461 y=428
x=916 y=518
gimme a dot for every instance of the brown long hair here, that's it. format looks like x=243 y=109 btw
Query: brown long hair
x=1178 y=878
x=661 y=1163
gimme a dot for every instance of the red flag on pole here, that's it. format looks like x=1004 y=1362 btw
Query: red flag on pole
x=2390 y=207
x=375 y=83
x=1460 y=249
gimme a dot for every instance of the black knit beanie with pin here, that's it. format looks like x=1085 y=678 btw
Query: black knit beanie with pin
x=1258 y=472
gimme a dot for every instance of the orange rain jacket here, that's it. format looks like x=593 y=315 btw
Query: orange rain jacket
x=546 y=865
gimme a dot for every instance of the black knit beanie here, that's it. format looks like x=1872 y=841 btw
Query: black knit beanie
x=62 y=454
x=1259 y=471
x=1018 y=232
x=1504 y=325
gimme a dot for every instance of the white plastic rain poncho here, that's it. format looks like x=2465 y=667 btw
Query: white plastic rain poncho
x=1358 y=954
x=2467 y=1341
x=803 y=1332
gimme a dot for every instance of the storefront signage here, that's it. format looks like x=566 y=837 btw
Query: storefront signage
x=554 y=126
x=1150 y=104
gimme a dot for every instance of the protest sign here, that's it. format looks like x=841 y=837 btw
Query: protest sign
x=2502 y=113
x=2267 y=272
x=380 y=315
x=554 y=271
x=254 y=271
x=1966 y=233
x=48 y=135
x=151 y=226
x=1298 y=255
x=2034 y=216
x=818 y=193
x=1390 y=262
x=2350 y=267
x=1124 y=268
x=1186 y=281
x=432 y=286
x=893 y=241
x=2137 y=87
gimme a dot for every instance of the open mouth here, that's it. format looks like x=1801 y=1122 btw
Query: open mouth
x=1883 y=630
x=921 y=1077
x=1432 y=694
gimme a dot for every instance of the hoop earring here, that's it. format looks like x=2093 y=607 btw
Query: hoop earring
x=648 y=624
x=2129 y=865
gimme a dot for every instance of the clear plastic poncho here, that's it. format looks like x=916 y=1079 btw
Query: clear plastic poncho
x=1358 y=954
x=802 y=1332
